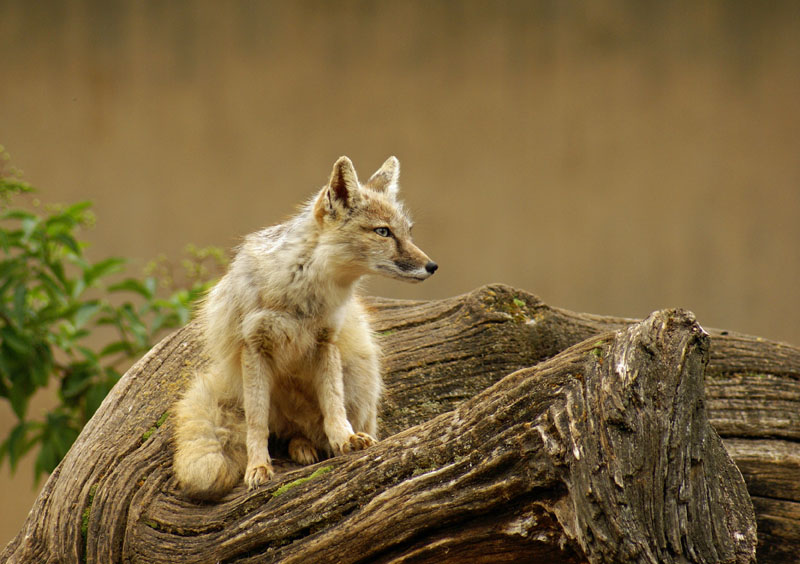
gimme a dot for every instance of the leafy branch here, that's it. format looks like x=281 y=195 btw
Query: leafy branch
x=56 y=309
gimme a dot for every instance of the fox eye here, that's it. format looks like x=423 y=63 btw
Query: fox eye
x=383 y=231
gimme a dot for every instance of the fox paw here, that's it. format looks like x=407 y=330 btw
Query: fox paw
x=357 y=441
x=258 y=475
x=302 y=451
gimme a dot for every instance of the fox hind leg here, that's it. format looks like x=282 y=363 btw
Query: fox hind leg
x=302 y=451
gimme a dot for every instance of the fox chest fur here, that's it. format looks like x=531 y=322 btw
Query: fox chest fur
x=292 y=341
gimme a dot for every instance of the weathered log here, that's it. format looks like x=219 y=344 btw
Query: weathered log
x=752 y=387
x=495 y=475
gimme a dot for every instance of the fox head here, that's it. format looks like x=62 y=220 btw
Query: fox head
x=365 y=227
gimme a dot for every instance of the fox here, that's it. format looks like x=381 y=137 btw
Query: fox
x=290 y=348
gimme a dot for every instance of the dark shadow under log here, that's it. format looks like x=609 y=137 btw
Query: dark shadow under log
x=603 y=453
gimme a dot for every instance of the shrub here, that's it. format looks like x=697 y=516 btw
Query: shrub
x=56 y=309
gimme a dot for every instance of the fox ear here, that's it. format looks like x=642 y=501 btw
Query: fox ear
x=385 y=178
x=342 y=189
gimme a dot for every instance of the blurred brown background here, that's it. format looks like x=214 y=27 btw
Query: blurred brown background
x=611 y=157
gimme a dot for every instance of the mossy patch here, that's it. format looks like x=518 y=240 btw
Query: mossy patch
x=87 y=512
x=515 y=307
x=421 y=471
x=598 y=351
x=316 y=473
x=147 y=434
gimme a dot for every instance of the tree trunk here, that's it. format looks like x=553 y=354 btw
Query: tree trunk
x=503 y=443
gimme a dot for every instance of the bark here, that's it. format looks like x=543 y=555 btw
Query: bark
x=503 y=443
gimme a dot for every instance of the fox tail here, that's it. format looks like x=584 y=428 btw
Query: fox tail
x=207 y=463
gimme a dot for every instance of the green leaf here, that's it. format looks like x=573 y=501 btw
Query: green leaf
x=18 y=214
x=58 y=222
x=13 y=238
x=17 y=444
x=69 y=242
x=76 y=380
x=7 y=267
x=54 y=291
x=95 y=396
x=29 y=225
x=112 y=376
x=116 y=347
x=152 y=285
x=63 y=438
x=58 y=434
x=163 y=304
x=76 y=287
x=11 y=185
x=19 y=399
x=57 y=268
x=161 y=321
x=136 y=286
x=42 y=365
x=135 y=324
x=18 y=342
x=67 y=336
x=76 y=210
x=46 y=460
x=110 y=319
x=20 y=293
x=85 y=312
x=90 y=355
x=101 y=269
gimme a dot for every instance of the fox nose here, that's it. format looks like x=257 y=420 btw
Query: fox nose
x=431 y=267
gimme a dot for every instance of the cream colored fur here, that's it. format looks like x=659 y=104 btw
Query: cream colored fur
x=291 y=349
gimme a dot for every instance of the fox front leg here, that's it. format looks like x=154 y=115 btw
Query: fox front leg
x=330 y=394
x=265 y=333
x=256 y=384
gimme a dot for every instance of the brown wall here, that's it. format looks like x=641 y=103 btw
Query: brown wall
x=612 y=157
